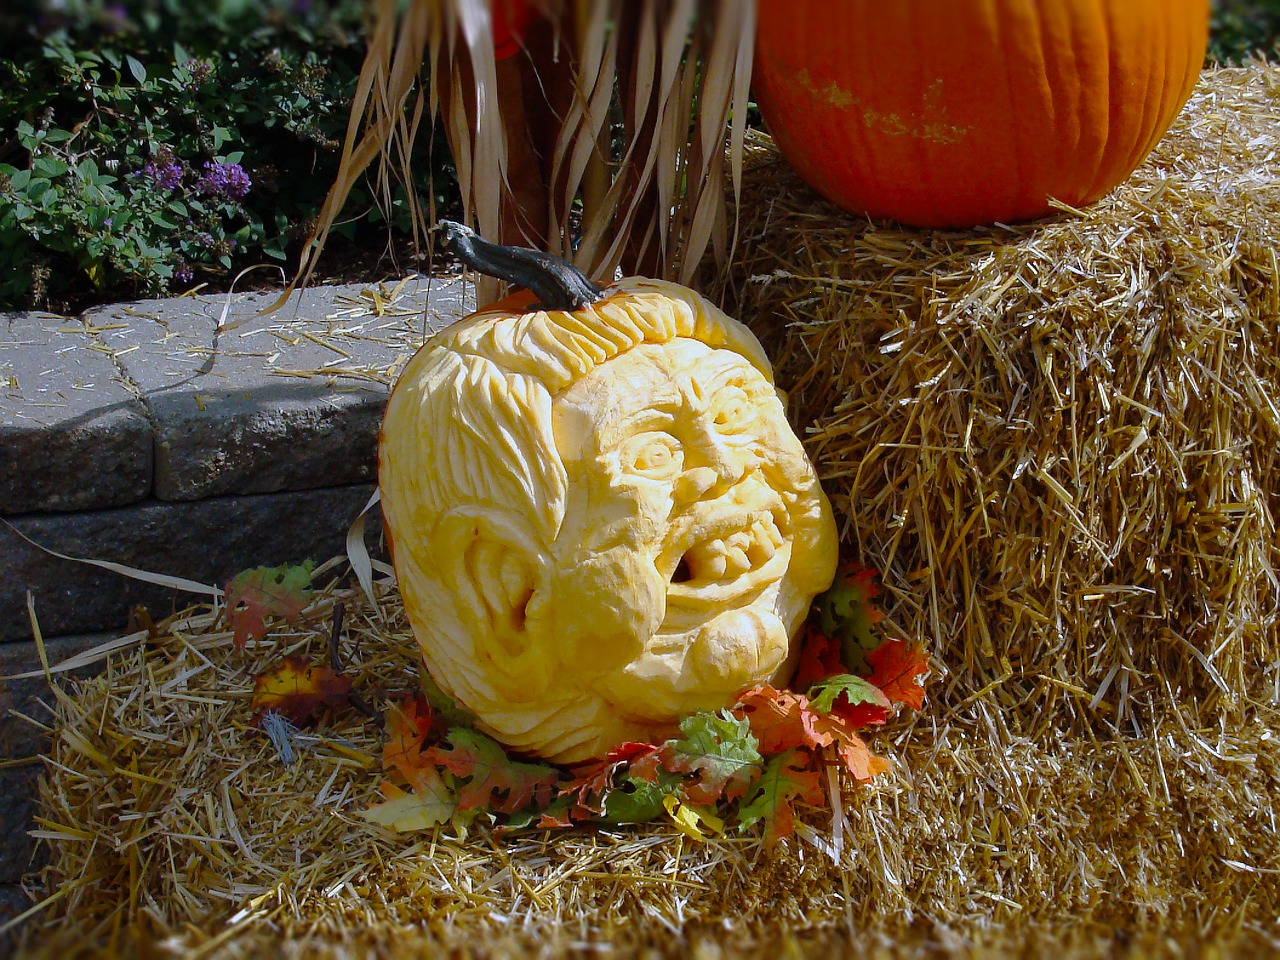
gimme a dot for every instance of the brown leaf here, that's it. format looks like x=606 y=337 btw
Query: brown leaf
x=297 y=690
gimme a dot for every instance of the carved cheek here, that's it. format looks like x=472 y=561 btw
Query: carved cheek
x=605 y=607
x=609 y=598
x=608 y=507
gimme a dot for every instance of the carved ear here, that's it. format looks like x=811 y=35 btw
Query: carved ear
x=490 y=562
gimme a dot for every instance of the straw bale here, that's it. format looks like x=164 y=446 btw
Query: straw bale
x=1058 y=443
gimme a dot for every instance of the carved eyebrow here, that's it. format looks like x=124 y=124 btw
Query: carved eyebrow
x=716 y=371
x=659 y=416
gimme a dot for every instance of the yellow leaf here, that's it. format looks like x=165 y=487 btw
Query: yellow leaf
x=404 y=812
x=690 y=818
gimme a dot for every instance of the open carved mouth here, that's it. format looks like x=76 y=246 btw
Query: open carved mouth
x=733 y=558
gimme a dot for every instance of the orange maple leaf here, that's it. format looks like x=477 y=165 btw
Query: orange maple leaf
x=297 y=690
x=782 y=720
x=894 y=666
x=560 y=819
x=858 y=759
x=408 y=727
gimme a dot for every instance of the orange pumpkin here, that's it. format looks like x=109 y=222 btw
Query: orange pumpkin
x=959 y=112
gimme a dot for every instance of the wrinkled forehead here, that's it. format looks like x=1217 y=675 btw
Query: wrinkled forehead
x=652 y=374
x=648 y=384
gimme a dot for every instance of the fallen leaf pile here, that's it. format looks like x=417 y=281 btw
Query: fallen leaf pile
x=748 y=765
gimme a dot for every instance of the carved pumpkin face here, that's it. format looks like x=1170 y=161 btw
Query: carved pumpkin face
x=601 y=521
x=689 y=494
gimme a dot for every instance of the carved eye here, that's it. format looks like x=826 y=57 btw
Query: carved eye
x=732 y=410
x=655 y=455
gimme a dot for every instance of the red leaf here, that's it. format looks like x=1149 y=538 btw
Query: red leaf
x=787 y=777
x=894 y=667
x=782 y=720
x=297 y=690
x=855 y=699
x=496 y=781
x=631 y=751
x=859 y=715
x=265 y=592
x=819 y=659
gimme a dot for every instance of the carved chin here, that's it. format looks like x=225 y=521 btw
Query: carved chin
x=738 y=647
x=703 y=668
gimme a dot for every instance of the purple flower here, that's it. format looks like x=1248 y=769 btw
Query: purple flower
x=223 y=180
x=114 y=18
x=199 y=72
x=164 y=173
x=184 y=273
x=106 y=222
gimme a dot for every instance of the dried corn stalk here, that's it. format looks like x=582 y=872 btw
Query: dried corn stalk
x=655 y=91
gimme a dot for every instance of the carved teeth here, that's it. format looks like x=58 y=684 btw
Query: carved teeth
x=738 y=553
x=763 y=545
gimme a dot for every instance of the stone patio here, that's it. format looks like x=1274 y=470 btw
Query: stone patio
x=190 y=437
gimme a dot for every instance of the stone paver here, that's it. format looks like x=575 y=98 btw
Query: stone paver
x=288 y=401
x=72 y=436
x=138 y=435
x=208 y=541
x=13 y=901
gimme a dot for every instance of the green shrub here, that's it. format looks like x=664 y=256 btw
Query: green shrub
x=1243 y=28
x=151 y=144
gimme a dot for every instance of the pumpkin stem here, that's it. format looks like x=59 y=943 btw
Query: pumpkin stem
x=557 y=284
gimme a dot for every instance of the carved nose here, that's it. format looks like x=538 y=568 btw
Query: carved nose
x=714 y=469
x=694 y=484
